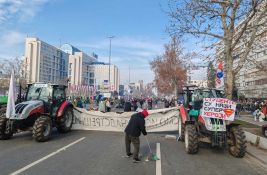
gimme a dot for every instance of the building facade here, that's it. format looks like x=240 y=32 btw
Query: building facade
x=80 y=69
x=250 y=81
x=199 y=83
x=44 y=62
x=101 y=71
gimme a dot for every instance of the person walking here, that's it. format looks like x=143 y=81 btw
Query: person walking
x=108 y=105
x=132 y=131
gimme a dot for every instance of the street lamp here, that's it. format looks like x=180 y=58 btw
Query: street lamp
x=110 y=38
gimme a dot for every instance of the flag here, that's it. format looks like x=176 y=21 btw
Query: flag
x=10 y=111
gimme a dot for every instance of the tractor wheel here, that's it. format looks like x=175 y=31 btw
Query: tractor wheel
x=4 y=133
x=42 y=129
x=2 y=112
x=191 y=139
x=65 y=122
x=237 y=142
x=181 y=128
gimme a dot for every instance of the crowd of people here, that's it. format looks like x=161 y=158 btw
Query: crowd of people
x=253 y=107
x=126 y=104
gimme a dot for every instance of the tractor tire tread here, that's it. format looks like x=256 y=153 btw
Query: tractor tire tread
x=238 y=150
x=3 y=135
x=38 y=129
x=61 y=127
x=192 y=139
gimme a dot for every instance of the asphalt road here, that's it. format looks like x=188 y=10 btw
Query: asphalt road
x=101 y=153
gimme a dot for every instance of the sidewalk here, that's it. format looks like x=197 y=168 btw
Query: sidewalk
x=250 y=119
x=257 y=153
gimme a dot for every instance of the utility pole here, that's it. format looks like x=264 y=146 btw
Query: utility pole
x=110 y=38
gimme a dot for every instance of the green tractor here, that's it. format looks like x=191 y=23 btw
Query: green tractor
x=219 y=130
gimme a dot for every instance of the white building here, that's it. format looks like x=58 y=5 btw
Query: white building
x=44 y=62
x=101 y=71
x=138 y=86
x=199 y=83
x=80 y=69
x=250 y=81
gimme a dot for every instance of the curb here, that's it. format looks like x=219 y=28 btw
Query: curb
x=256 y=140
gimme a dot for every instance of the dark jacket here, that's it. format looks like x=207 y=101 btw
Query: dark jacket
x=136 y=125
x=127 y=107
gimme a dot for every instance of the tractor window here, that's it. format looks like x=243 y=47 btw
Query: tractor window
x=33 y=93
x=217 y=93
x=196 y=96
x=207 y=94
x=59 y=93
x=45 y=94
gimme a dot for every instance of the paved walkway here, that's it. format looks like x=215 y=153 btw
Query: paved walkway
x=257 y=153
x=250 y=119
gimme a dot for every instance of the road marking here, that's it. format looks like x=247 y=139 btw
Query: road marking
x=158 y=162
x=46 y=157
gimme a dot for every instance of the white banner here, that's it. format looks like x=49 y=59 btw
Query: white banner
x=221 y=108
x=158 y=120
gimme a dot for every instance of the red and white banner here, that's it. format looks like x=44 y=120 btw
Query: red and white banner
x=220 y=108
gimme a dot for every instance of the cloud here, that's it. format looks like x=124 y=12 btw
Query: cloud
x=21 y=10
x=11 y=38
x=125 y=49
x=11 y=44
x=144 y=45
x=136 y=52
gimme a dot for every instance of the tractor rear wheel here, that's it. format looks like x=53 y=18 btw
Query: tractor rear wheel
x=5 y=133
x=237 y=142
x=181 y=128
x=65 y=122
x=42 y=129
x=191 y=139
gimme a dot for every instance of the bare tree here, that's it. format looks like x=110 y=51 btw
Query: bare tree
x=236 y=23
x=211 y=74
x=169 y=69
x=19 y=68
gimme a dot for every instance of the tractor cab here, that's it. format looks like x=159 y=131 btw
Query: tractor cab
x=51 y=95
x=193 y=94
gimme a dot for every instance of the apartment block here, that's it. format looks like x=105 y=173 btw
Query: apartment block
x=44 y=62
x=80 y=69
x=102 y=76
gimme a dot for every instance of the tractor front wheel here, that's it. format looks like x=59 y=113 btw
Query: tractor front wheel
x=65 y=122
x=191 y=139
x=237 y=142
x=5 y=132
x=181 y=128
x=42 y=129
x=2 y=112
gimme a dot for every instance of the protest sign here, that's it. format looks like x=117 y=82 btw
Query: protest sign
x=220 y=108
x=158 y=120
